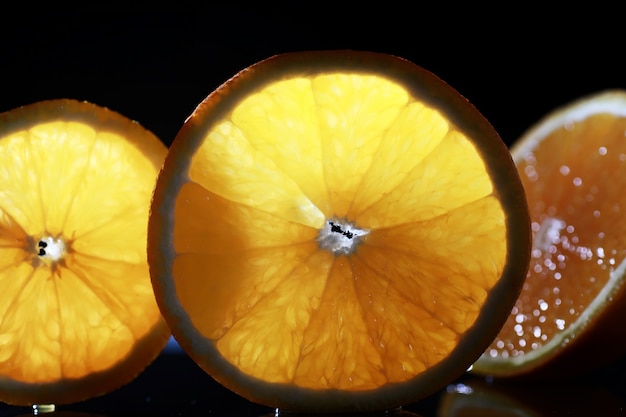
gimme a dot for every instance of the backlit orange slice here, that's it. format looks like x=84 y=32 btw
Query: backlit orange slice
x=78 y=316
x=337 y=231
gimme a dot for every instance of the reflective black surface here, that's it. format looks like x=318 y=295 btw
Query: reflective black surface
x=514 y=63
x=174 y=386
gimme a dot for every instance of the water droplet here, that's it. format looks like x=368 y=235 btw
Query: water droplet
x=43 y=408
x=531 y=173
x=461 y=388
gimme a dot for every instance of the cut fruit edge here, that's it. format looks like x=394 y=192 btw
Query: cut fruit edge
x=609 y=101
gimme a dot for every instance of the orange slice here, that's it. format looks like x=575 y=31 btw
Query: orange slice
x=336 y=231
x=78 y=316
x=567 y=318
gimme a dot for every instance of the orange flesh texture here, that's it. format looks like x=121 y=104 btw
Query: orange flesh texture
x=575 y=193
x=64 y=178
x=356 y=147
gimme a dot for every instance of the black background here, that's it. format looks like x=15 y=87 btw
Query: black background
x=514 y=62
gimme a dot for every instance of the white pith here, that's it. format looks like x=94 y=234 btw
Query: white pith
x=337 y=242
x=53 y=250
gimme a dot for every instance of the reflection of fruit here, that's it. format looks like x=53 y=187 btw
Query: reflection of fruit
x=393 y=413
x=58 y=413
x=475 y=397
x=77 y=312
x=567 y=318
x=337 y=231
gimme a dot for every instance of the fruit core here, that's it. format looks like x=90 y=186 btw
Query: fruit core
x=50 y=248
x=340 y=236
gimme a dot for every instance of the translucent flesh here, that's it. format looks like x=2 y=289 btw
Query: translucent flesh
x=91 y=190
x=574 y=185
x=251 y=276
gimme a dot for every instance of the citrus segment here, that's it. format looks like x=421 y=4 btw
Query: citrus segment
x=327 y=233
x=425 y=190
x=354 y=111
x=570 y=163
x=78 y=315
x=287 y=144
x=390 y=168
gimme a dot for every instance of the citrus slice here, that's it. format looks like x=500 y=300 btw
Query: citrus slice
x=336 y=231
x=568 y=316
x=78 y=316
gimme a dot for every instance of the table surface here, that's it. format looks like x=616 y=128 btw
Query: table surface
x=174 y=385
